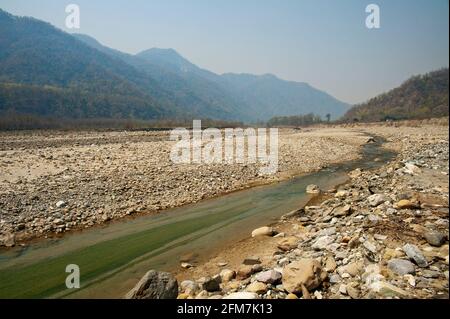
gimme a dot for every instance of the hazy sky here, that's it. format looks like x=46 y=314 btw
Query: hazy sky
x=322 y=42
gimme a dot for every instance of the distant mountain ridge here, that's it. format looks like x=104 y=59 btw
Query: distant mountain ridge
x=45 y=71
x=191 y=96
x=269 y=96
x=261 y=96
x=420 y=97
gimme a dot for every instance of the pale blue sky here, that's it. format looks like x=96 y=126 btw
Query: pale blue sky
x=322 y=42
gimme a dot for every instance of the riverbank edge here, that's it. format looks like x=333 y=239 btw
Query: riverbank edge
x=313 y=200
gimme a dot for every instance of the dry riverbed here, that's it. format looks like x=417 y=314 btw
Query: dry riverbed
x=384 y=234
x=54 y=182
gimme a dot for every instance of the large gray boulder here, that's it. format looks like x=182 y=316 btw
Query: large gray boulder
x=155 y=285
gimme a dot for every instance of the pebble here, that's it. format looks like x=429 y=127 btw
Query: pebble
x=227 y=275
x=269 y=277
x=401 y=266
x=435 y=238
x=257 y=287
x=251 y=261
x=414 y=253
x=377 y=199
x=242 y=295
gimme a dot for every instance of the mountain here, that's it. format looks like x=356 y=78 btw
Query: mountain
x=191 y=94
x=47 y=72
x=169 y=59
x=262 y=96
x=247 y=97
x=52 y=73
x=422 y=96
x=269 y=96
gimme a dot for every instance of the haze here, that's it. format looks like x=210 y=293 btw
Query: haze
x=322 y=42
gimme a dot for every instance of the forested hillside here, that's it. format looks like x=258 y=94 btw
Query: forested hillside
x=45 y=70
x=422 y=96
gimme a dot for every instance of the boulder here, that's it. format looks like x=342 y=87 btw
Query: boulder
x=263 y=231
x=227 y=275
x=435 y=238
x=353 y=269
x=412 y=169
x=377 y=199
x=210 y=284
x=305 y=272
x=353 y=292
x=322 y=243
x=257 y=287
x=407 y=204
x=312 y=189
x=189 y=287
x=269 y=277
x=244 y=272
x=330 y=264
x=401 y=266
x=288 y=243
x=342 y=210
x=251 y=261
x=155 y=285
x=370 y=246
x=414 y=253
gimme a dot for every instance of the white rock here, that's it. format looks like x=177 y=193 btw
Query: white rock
x=61 y=203
x=262 y=231
x=242 y=295
x=322 y=243
x=312 y=189
x=377 y=199
x=370 y=246
x=412 y=169
x=343 y=289
x=411 y=280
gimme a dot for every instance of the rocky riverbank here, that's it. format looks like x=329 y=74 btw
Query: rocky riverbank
x=384 y=234
x=55 y=182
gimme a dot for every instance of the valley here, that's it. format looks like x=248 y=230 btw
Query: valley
x=202 y=150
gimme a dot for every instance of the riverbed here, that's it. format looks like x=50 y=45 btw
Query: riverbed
x=114 y=257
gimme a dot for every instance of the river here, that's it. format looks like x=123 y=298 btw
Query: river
x=114 y=257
